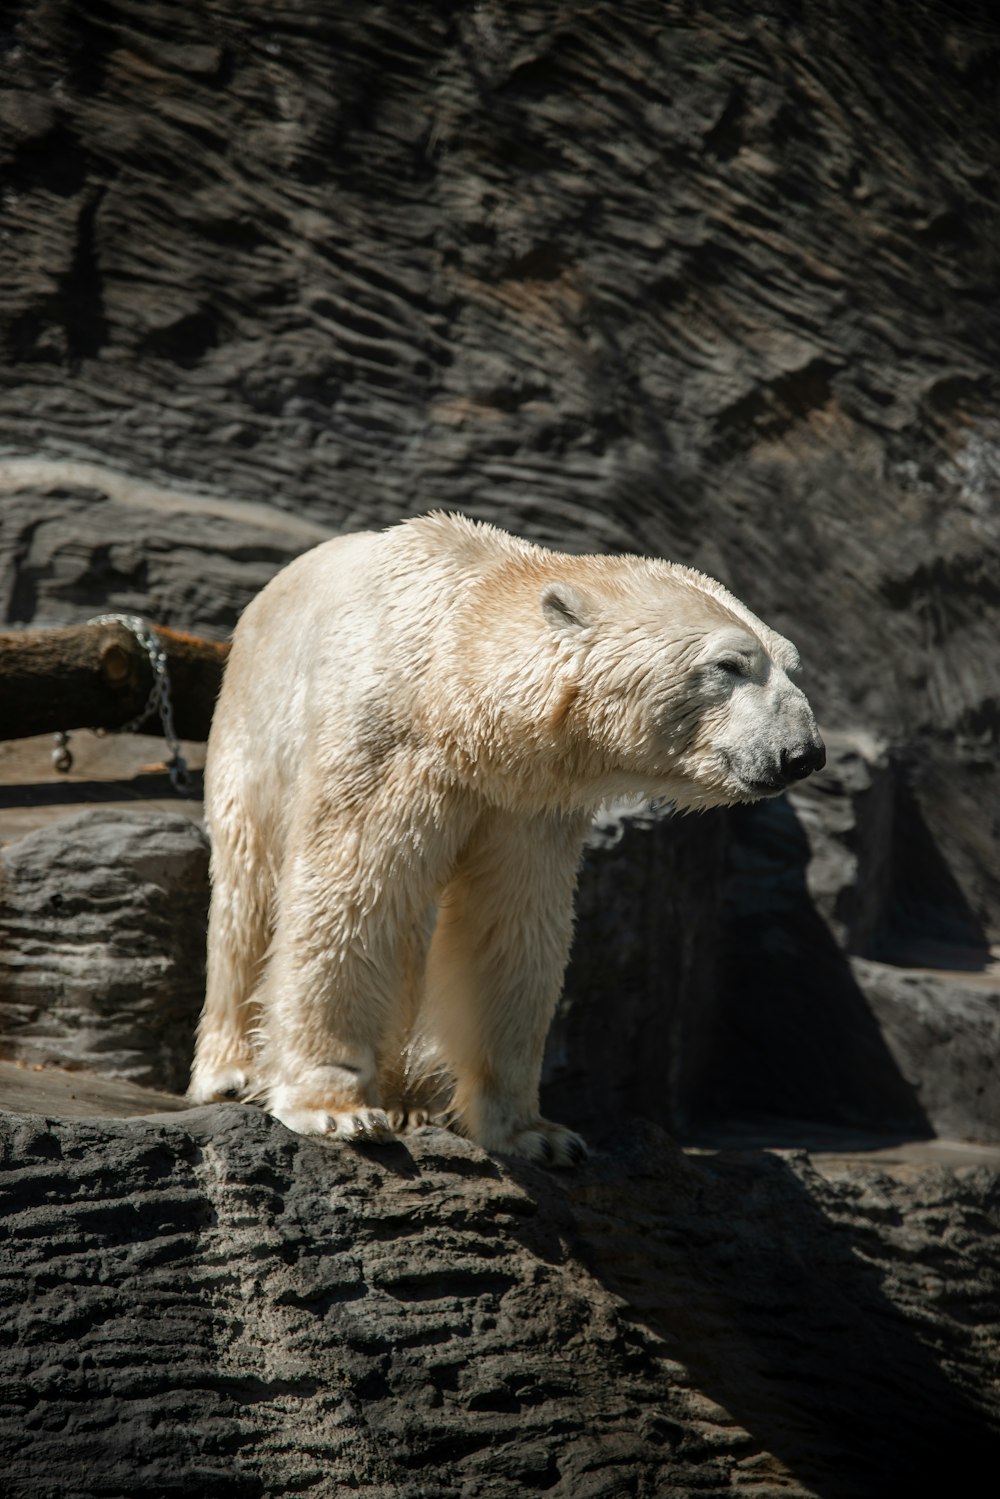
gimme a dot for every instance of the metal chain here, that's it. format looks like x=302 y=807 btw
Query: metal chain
x=159 y=700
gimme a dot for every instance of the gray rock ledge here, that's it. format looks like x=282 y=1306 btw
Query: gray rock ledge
x=202 y=1303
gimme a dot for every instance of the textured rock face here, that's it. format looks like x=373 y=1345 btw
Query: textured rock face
x=220 y=1307
x=102 y=944
x=942 y=1033
x=79 y=538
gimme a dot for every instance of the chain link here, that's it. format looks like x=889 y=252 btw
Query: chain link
x=159 y=700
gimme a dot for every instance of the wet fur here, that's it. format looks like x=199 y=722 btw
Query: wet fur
x=414 y=731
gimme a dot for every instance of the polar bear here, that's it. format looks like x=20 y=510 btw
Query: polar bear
x=415 y=729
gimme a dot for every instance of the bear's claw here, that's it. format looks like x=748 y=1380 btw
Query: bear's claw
x=401 y=1119
x=369 y=1125
x=547 y=1145
x=364 y=1126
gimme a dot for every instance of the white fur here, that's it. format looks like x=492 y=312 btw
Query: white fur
x=415 y=729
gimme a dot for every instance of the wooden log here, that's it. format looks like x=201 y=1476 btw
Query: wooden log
x=99 y=676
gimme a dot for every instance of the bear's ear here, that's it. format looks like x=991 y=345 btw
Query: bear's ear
x=564 y=606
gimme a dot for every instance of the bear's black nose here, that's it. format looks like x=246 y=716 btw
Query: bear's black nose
x=798 y=763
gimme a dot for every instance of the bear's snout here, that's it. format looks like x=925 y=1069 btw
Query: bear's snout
x=798 y=763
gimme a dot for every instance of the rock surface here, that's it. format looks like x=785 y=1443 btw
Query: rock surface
x=203 y=1303
x=942 y=1030
x=102 y=944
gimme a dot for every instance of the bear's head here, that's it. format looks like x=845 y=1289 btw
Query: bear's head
x=684 y=691
x=755 y=734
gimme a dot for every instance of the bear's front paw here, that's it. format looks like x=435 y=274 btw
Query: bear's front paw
x=546 y=1144
x=363 y=1126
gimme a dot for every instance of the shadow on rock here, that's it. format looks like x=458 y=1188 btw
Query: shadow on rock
x=796 y=1035
x=801 y=1307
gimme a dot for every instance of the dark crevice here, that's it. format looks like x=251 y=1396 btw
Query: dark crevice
x=81 y=292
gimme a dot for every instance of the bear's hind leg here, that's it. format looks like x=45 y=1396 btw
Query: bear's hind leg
x=238 y=933
x=412 y=1095
x=494 y=974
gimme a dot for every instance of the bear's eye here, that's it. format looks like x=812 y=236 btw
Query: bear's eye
x=732 y=666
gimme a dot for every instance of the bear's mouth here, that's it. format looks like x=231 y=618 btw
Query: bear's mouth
x=765 y=788
x=754 y=787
